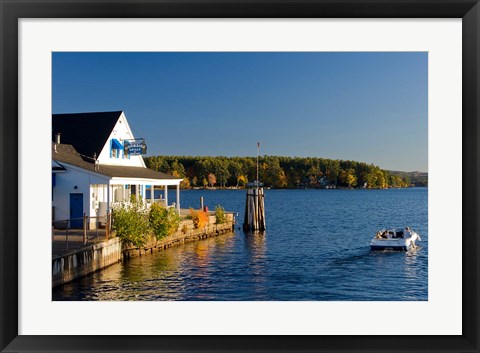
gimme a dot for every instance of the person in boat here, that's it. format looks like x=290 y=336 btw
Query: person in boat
x=406 y=232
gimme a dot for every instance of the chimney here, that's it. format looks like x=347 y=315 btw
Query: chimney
x=57 y=138
x=97 y=163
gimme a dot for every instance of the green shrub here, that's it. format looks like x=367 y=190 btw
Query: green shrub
x=220 y=214
x=130 y=222
x=163 y=221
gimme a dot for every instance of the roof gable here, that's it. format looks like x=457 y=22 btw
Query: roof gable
x=88 y=132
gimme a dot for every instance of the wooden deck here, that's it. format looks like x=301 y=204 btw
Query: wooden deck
x=75 y=240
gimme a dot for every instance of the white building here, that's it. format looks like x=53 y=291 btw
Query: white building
x=96 y=163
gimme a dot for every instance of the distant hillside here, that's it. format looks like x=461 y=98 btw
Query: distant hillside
x=416 y=178
x=280 y=172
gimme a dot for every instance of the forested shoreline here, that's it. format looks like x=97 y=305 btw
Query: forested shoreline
x=282 y=172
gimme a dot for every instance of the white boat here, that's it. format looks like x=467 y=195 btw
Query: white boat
x=393 y=239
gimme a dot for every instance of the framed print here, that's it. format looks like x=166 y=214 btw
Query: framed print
x=230 y=176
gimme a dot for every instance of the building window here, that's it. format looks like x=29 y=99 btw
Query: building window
x=116 y=147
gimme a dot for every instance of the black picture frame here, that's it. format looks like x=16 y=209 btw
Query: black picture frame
x=12 y=10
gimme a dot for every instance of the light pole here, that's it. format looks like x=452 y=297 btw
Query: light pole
x=258 y=154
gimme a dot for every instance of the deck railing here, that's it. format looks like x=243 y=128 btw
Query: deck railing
x=68 y=230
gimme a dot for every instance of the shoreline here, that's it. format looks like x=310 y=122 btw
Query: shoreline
x=305 y=188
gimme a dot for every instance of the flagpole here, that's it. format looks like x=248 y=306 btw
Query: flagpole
x=258 y=153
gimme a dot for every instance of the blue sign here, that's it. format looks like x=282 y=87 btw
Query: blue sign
x=135 y=147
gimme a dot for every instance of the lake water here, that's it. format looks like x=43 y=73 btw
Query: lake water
x=316 y=247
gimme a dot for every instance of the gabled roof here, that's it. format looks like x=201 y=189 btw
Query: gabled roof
x=88 y=132
x=67 y=154
x=117 y=171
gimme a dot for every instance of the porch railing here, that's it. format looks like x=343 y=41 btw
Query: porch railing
x=148 y=203
x=78 y=231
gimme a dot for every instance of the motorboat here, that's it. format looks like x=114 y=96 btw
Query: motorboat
x=394 y=239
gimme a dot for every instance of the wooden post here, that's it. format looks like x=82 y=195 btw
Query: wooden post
x=166 y=195
x=255 y=209
x=262 y=210
x=178 y=198
x=84 y=229
x=66 y=235
x=107 y=226
x=108 y=198
x=245 y=218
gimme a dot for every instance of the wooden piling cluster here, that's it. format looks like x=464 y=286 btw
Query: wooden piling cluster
x=254 y=210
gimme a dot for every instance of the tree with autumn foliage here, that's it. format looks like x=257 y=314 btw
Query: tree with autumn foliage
x=212 y=179
x=242 y=180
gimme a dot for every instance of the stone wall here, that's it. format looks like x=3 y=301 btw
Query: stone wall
x=186 y=232
x=83 y=262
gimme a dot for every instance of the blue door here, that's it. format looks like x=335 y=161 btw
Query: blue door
x=76 y=210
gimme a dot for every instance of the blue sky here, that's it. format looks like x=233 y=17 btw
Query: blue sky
x=369 y=107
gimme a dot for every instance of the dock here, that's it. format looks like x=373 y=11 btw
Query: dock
x=74 y=259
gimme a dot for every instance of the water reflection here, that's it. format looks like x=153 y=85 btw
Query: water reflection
x=255 y=251
x=255 y=244
x=412 y=270
x=202 y=251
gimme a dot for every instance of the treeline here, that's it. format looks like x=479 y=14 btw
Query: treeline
x=416 y=178
x=275 y=172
